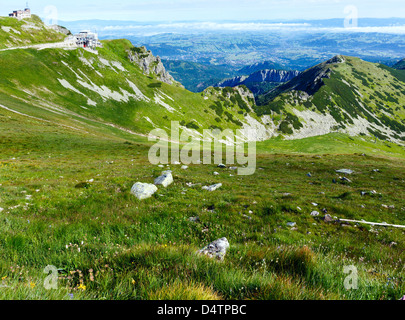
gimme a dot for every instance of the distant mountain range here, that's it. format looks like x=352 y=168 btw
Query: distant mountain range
x=400 y=65
x=261 y=81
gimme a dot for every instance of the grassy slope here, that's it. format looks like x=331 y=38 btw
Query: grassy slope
x=33 y=80
x=26 y=32
x=334 y=143
x=133 y=249
x=355 y=89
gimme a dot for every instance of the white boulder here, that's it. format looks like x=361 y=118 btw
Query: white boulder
x=216 y=249
x=165 y=179
x=143 y=190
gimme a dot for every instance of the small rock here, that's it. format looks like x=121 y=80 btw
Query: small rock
x=327 y=218
x=233 y=168
x=213 y=187
x=165 y=179
x=315 y=213
x=344 y=179
x=314 y=204
x=194 y=219
x=216 y=174
x=345 y=171
x=184 y=167
x=221 y=165
x=291 y=224
x=143 y=190
x=309 y=175
x=216 y=249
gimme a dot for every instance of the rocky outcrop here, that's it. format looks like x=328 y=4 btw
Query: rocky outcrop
x=60 y=29
x=150 y=64
x=216 y=249
x=277 y=76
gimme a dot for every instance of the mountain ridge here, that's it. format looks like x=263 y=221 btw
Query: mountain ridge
x=256 y=80
x=126 y=87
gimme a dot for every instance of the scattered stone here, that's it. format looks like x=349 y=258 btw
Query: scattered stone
x=184 y=167
x=190 y=185
x=216 y=173
x=327 y=218
x=325 y=211
x=315 y=213
x=344 y=179
x=286 y=195
x=309 y=175
x=299 y=208
x=216 y=249
x=165 y=179
x=161 y=166
x=233 y=168
x=345 y=171
x=291 y=224
x=247 y=217
x=373 y=192
x=1 y=209
x=176 y=163
x=221 y=165
x=194 y=219
x=213 y=187
x=314 y=204
x=143 y=190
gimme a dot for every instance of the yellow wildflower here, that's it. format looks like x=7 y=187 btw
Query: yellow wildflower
x=82 y=286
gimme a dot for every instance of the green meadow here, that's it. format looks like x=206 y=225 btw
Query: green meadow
x=66 y=202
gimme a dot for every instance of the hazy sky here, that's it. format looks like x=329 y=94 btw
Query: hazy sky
x=206 y=10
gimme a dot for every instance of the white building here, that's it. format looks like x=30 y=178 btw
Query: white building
x=85 y=39
x=21 y=14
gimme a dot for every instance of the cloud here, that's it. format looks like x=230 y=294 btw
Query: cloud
x=195 y=27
